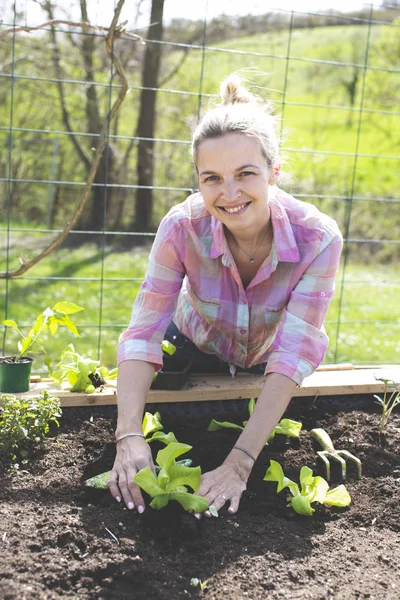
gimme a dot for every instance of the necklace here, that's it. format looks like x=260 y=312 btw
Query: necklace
x=252 y=257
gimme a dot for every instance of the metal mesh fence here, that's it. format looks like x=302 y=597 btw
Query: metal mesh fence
x=335 y=85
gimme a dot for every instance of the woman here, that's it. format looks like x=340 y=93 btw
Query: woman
x=246 y=271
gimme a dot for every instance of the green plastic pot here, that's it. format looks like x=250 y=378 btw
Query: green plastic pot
x=15 y=374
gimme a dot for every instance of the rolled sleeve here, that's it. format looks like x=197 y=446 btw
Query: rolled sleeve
x=301 y=341
x=155 y=303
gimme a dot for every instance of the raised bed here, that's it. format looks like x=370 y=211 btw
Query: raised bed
x=60 y=540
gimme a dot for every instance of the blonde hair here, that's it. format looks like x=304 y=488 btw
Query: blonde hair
x=239 y=111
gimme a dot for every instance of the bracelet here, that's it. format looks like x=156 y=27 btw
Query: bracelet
x=121 y=437
x=245 y=451
x=236 y=471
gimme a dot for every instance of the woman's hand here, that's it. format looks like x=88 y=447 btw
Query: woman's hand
x=225 y=484
x=133 y=454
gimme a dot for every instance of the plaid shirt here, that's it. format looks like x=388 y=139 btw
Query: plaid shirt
x=193 y=279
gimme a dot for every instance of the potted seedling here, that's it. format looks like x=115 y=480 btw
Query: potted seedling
x=15 y=370
x=84 y=374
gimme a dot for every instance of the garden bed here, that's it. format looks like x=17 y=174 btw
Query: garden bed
x=61 y=540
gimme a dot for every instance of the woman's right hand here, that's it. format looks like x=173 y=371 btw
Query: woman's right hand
x=133 y=454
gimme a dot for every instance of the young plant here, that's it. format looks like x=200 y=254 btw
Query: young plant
x=284 y=427
x=313 y=489
x=24 y=423
x=151 y=427
x=48 y=320
x=391 y=395
x=173 y=480
x=84 y=374
x=195 y=582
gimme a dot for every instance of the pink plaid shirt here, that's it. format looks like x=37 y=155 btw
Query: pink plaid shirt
x=193 y=279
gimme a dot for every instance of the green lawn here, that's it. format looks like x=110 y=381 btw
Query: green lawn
x=369 y=329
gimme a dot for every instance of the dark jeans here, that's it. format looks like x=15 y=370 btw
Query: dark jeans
x=202 y=362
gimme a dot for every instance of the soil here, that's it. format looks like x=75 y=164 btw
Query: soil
x=59 y=539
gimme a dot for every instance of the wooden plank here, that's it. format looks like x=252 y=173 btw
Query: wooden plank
x=224 y=387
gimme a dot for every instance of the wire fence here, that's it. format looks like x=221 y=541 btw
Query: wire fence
x=336 y=97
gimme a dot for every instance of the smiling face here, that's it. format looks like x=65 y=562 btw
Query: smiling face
x=234 y=177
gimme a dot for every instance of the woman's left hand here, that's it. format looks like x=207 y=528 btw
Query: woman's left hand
x=224 y=484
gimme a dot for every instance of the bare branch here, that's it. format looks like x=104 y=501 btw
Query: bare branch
x=113 y=32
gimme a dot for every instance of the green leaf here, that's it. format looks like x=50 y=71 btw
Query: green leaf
x=180 y=475
x=170 y=453
x=168 y=347
x=149 y=482
x=10 y=323
x=275 y=473
x=69 y=325
x=69 y=308
x=301 y=505
x=214 y=425
x=252 y=404
x=160 y=501
x=151 y=423
x=164 y=438
x=53 y=325
x=99 y=481
x=287 y=427
x=190 y=501
x=213 y=510
x=339 y=496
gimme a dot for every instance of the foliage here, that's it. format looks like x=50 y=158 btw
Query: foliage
x=391 y=379
x=151 y=427
x=48 y=320
x=84 y=374
x=24 y=423
x=172 y=480
x=195 y=582
x=313 y=489
x=284 y=427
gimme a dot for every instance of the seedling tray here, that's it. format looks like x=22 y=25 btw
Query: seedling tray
x=173 y=375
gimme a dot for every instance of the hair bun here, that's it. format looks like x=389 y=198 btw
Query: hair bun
x=232 y=91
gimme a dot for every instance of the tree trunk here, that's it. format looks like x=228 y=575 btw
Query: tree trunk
x=146 y=123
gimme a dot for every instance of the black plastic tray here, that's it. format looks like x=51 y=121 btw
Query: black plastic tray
x=173 y=375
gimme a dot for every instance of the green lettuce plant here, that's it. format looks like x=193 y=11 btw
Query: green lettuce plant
x=24 y=424
x=312 y=489
x=84 y=374
x=49 y=320
x=173 y=480
x=391 y=394
x=151 y=427
x=284 y=427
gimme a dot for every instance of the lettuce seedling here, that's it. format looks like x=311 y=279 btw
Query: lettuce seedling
x=151 y=427
x=391 y=394
x=313 y=489
x=84 y=374
x=173 y=480
x=284 y=427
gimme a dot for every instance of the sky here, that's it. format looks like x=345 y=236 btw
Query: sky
x=101 y=11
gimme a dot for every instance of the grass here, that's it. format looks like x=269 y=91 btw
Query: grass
x=369 y=329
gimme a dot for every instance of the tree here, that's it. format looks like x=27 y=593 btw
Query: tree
x=147 y=121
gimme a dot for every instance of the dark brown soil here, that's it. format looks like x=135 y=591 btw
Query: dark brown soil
x=61 y=540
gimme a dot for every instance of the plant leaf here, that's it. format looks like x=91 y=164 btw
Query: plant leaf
x=10 y=323
x=275 y=473
x=151 y=423
x=164 y=438
x=181 y=475
x=149 y=482
x=252 y=404
x=168 y=347
x=99 y=481
x=69 y=308
x=301 y=505
x=214 y=425
x=190 y=501
x=339 y=496
x=160 y=501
